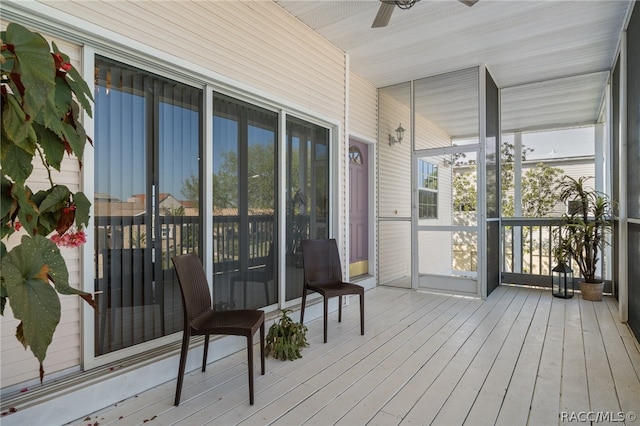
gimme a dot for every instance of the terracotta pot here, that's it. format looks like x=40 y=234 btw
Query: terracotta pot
x=591 y=291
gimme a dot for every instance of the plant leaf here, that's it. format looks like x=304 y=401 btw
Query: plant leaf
x=6 y=200
x=28 y=212
x=83 y=208
x=79 y=87
x=34 y=64
x=57 y=197
x=3 y=289
x=51 y=144
x=75 y=140
x=14 y=124
x=33 y=301
x=16 y=163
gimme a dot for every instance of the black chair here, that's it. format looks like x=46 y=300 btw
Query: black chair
x=201 y=320
x=323 y=274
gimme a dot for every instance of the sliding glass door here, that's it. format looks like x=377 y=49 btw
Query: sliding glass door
x=307 y=194
x=147 y=202
x=244 y=204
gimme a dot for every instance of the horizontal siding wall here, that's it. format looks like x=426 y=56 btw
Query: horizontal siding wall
x=428 y=135
x=394 y=171
x=395 y=253
x=19 y=365
x=255 y=43
x=394 y=194
x=363 y=107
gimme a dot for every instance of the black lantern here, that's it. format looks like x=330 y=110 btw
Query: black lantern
x=562 y=279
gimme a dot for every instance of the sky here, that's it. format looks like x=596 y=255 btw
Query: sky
x=573 y=142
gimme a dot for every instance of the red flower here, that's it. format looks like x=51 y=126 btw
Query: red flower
x=66 y=66
x=70 y=238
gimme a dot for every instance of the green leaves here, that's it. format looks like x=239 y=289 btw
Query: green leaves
x=77 y=84
x=33 y=300
x=43 y=98
x=16 y=163
x=83 y=207
x=285 y=338
x=34 y=65
x=585 y=226
x=39 y=112
x=27 y=271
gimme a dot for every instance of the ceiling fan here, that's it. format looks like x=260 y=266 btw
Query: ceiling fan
x=386 y=9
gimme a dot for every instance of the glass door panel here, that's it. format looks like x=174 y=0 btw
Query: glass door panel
x=147 y=143
x=447 y=219
x=244 y=202
x=307 y=195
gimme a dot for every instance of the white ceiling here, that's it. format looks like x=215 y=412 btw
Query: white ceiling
x=551 y=57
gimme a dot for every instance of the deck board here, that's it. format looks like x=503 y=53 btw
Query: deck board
x=517 y=402
x=518 y=357
x=455 y=409
x=545 y=405
x=620 y=362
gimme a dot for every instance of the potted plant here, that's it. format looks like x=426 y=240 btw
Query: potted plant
x=43 y=97
x=584 y=231
x=286 y=337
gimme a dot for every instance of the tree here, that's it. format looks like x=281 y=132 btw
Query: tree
x=191 y=190
x=465 y=191
x=539 y=190
x=262 y=177
x=539 y=193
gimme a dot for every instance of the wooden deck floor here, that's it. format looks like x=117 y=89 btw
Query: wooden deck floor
x=519 y=357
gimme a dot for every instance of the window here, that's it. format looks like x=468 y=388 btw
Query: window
x=355 y=156
x=427 y=190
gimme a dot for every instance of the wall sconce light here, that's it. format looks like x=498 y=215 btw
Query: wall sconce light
x=398 y=137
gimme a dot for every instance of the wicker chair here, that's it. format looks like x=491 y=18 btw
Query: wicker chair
x=323 y=274
x=201 y=320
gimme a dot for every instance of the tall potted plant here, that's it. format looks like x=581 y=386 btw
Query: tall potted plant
x=43 y=96
x=584 y=231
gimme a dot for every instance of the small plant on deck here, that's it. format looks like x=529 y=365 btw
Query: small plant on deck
x=286 y=337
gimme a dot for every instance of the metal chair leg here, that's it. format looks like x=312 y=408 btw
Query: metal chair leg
x=362 y=314
x=262 y=347
x=183 y=361
x=206 y=351
x=250 y=366
x=326 y=314
x=304 y=302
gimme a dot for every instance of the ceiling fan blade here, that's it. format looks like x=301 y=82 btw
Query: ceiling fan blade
x=383 y=16
x=469 y=2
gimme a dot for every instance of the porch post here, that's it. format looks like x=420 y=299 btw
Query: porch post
x=517 y=198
